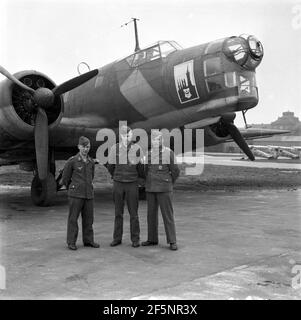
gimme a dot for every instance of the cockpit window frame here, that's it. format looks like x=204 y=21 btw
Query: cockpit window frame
x=214 y=81
x=172 y=44
x=236 y=49
x=209 y=64
x=145 y=57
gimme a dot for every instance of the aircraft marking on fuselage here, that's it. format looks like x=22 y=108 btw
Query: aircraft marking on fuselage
x=185 y=82
x=150 y=96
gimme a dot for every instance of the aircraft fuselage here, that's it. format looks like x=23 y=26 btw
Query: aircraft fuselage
x=161 y=86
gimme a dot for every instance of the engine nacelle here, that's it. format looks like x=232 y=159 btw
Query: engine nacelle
x=18 y=111
x=215 y=134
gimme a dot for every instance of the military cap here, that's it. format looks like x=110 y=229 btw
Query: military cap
x=83 y=141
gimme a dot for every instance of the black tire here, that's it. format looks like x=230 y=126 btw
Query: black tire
x=43 y=192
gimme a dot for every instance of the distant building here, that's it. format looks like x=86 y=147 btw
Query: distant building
x=287 y=121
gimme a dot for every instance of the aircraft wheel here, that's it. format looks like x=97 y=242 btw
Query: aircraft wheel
x=43 y=192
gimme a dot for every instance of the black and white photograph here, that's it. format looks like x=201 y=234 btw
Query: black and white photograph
x=150 y=151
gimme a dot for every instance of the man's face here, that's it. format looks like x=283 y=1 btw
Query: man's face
x=126 y=138
x=84 y=149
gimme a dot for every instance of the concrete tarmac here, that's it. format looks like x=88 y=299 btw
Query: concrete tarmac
x=236 y=159
x=232 y=245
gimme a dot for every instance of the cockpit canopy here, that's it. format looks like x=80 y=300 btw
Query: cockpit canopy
x=160 y=49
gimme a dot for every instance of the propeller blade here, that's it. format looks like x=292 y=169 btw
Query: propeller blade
x=238 y=138
x=14 y=79
x=41 y=143
x=75 y=82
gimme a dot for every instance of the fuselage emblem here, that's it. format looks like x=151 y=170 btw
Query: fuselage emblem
x=185 y=82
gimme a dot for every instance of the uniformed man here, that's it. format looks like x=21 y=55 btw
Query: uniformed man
x=78 y=175
x=161 y=173
x=125 y=173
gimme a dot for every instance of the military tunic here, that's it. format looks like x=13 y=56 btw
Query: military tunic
x=161 y=173
x=77 y=177
x=125 y=175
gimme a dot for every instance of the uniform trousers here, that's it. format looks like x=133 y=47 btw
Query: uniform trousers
x=126 y=192
x=85 y=206
x=164 y=200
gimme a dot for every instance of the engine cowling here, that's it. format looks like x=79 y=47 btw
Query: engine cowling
x=215 y=134
x=18 y=111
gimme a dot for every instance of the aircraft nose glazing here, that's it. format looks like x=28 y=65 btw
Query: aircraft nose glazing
x=245 y=50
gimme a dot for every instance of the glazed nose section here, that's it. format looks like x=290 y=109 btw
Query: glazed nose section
x=247 y=51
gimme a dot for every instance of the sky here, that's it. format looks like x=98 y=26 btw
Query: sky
x=53 y=37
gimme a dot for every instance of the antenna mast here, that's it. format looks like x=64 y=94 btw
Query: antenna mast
x=137 y=47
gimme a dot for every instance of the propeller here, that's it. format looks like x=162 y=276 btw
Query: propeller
x=14 y=79
x=41 y=143
x=227 y=121
x=43 y=99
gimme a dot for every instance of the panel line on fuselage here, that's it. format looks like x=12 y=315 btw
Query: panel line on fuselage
x=152 y=104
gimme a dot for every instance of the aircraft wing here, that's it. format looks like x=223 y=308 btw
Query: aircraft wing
x=258 y=133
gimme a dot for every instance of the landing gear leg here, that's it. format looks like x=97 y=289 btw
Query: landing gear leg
x=52 y=169
x=58 y=180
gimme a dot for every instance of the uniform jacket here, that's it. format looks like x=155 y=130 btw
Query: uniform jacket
x=121 y=167
x=78 y=176
x=161 y=175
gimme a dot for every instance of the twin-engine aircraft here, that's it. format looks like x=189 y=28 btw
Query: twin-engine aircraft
x=161 y=86
x=274 y=152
